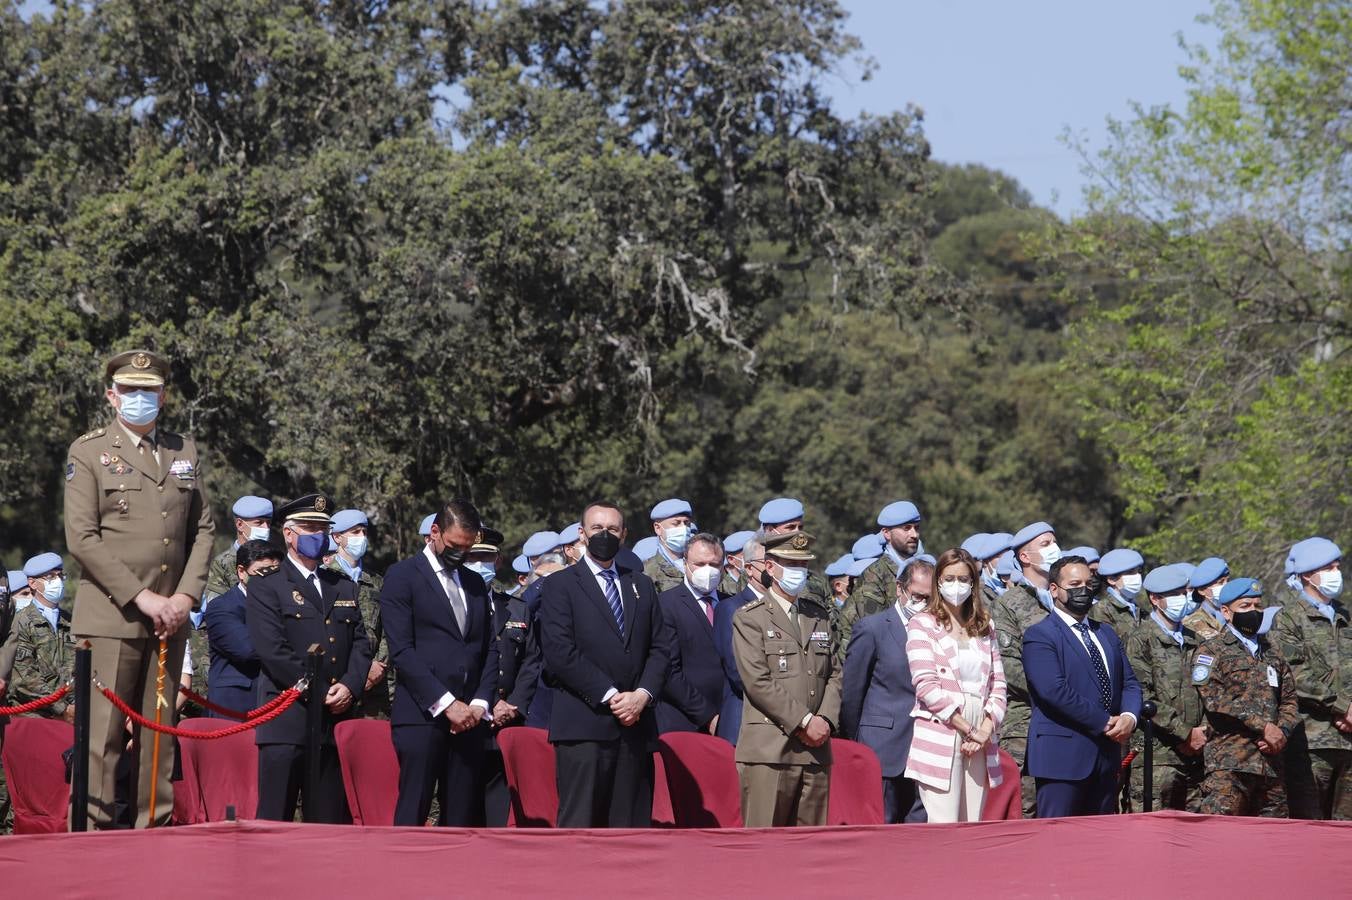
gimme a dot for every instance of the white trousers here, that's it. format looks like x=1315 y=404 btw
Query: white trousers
x=967 y=783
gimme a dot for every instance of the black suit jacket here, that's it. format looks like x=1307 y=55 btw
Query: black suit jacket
x=585 y=655
x=695 y=679
x=233 y=660
x=285 y=617
x=429 y=652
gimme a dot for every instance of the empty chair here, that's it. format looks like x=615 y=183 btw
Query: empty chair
x=528 y=759
x=701 y=777
x=856 y=785
x=217 y=773
x=36 y=773
x=370 y=770
x=1005 y=801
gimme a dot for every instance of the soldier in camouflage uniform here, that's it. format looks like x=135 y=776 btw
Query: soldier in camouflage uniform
x=1120 y=573
x=875 y=589
x=44 y=651
x=1250 y=698
x=672 y=525
x=1206 y=582
x=734 y=578
x=1161 y=651
x=1312 y=630
x=252 y=515
x=198 y=656
x=350 y=534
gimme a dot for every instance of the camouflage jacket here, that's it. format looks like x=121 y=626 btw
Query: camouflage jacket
x=1164 y=670
x=43 y=660
x=1320 y=654
x=1117 y=617
x=221 y=575
x=1203 y=625
x=874 y=591
x=663 y=573
x=1240 y=700
x=199 y=652
x=376 y=701
x=1012 y=613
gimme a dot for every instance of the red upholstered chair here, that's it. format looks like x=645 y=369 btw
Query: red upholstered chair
x=1005 y=801
x=856 y=785
x=663 y=816
x=701 y=776
x=528 y=759
x=370 y=770
x=36 y=774
x=216 y=773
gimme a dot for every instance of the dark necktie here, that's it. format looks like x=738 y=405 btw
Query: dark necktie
x=708 y=602
x=613 y=598
x=1100 y=667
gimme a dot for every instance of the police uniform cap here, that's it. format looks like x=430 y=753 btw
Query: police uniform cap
x=541 y=542
x=490 y=539
x=902 y=512
x=570 y=534
x=668 y=508
x=780 y=510
x=1236 y=588
x=425 y=526
x=521 y=565
x=138 y=368
x=1165 y=579
x=1313 y=553
x=344 y=519
x=870 y=546
x=310 y=508
x=734 y=542
x=646 y=548
x=1207 y=571
x=1087 y=553
x=251 y=507
x=840 y=567
x=795 y=546
x=1028 y=533
x=1119 y=560
x=42 y=564
x=18 y=581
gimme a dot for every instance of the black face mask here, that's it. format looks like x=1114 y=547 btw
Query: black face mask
x=603 y=546
x=1247 y=622
x=451 y=557
x=1079 y=600
x=765 y=578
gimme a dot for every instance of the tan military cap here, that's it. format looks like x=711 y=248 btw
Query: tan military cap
x=138 y=368
x=791 y=545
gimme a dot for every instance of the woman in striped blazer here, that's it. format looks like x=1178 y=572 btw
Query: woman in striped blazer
x=959 y=694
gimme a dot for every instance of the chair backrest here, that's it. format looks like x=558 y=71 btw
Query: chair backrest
x=701 y=777
x=856 y=796
x=217 y=773
x=370 y=770
x=1006 y=800
x=528 y=761
x=36 y=774
x=663 y=816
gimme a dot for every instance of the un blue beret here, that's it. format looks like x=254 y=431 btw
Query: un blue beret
x=42 y=564
x=570 y=534
x=541 y=542
x=1028 y=532
x=1236 y=588
x=1207 y=571
x=840 y=567
x=673 y=507
x=521 y=565
x=921 y=557
x=900 y=513
x=17 y=580
x=1163 y=579
x=1120 y=560
x=734 y=542
x=425 y=527
x=1313 y=553
x=252 y=507
x=870 y=546
x=333 y=545
x=344 y=519
x=859 y=566
x=1088 y=554
x=1005 y=565
x=973 y=542
x=646 y=548
x=780 y=510
x=991 y=546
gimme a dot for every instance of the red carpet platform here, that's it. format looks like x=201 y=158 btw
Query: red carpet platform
x=1110 y=856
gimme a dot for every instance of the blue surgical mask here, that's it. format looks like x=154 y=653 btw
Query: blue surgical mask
x=139 y=407
x=1330 y=583
x=1178 y=607
x=54 y=590
x=21 y=602
x=484 y=571
x=1130 y=585
x=312 y=546
x=356 y=546
x=792 y=580
x=258 y=533
x=994 y=583
x=676 y=537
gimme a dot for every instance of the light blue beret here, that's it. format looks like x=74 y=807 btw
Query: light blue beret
x=924 y=557
x=646 y=548
x=974 y=542
x=42 y=564
x=859 y=566
x=1236 y=588
x=734 y=542
x=570 y=534
x=780 y=510
x=1207 y=571
x=1028 y=532
x=425 y=527
x=992 y=546
x=1088 y=554
x=870 y=546
x=1006 y=565
x=1120 y=560
x=1306 y=556
x=17 y=580
x=1163 y=579
x=252 y=507
x=840 y=567
x=900 y=513
x=333 y=545
x=668 y=508
x=541 y=542
x=521 y=565
x=344 y=519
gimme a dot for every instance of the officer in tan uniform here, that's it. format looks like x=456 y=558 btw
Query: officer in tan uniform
x=138 y=522
x=791 y=700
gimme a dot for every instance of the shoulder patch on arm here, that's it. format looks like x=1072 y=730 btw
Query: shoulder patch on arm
x=70 y=470
x=1201 y=669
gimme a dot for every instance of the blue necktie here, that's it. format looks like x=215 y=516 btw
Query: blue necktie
x=1100 y=668
x=613 y=598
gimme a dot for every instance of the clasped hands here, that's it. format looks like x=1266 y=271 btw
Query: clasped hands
x=977 y=738
x=463 y=716
x=166 y=614
x=1119 y=728
x=815 y=733
x=627 y=706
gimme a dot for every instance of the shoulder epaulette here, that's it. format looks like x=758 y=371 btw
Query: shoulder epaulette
x=752 y=604
x=90 y=435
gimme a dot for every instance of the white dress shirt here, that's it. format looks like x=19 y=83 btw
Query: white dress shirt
x=1071 y=622
x=450 y=583
x=596 y=570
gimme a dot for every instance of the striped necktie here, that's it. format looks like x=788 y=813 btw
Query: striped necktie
x=613 y=598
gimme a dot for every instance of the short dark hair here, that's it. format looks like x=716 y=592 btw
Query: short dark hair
x=251 y=552
x=907 y=573
x=599 y=504
x=1054 y=573
x=459 y=512
x=705 y=537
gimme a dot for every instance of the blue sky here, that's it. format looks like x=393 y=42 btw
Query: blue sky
x=999 y=81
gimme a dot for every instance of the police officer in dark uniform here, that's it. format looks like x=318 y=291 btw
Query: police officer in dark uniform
x=302 y=604
x=508 y=613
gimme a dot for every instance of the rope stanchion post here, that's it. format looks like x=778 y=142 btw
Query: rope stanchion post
x=314 y=726
x=79 y=764
x=1148 y=710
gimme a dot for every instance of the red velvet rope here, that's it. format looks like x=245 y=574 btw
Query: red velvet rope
x=231 y=713
x=39 y=703
x=1127 y=760
x=279 y=706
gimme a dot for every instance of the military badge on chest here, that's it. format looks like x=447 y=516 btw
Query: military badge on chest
x=297 y=598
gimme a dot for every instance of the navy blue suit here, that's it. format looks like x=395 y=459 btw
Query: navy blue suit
x=695 y=679
x=232 y=680
x=432 y=656
x=1076 y=767
x=730 y=713
x=877 y=697
x=532 y=696
x=604 y=769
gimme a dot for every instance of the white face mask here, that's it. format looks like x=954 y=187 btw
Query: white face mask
x=259 y=533
x=955 y=592
x=1178 y=607
x=356 y=546
x=1050 y=554
x=792 y=581
x=1130 y=586
x=54 y=590
x=705 y=578
x=1330 y=583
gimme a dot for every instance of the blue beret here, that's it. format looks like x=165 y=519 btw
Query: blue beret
x=1088 y=554
x=859 y=566
x=42 y=564
x=333 y=545
x=17 y=580
x=1028 y=532
x=1312 y=553
x=646 y=548
x=425 y=527
x=922 y=557
x=1207 y=571
x=840 y=567
x=570 y=534
x=521 y=565
x=734 y=542
x=1236 y=588
x=870 y=546
x=974 y=542
x=541 y=542
x=991 y=546
x=252 y=507
x=1163 y=579
x=1005 y=565
x=344 y=519
x=668 y=508
x=900 y=513
x=780 y=510
x=1120 y=560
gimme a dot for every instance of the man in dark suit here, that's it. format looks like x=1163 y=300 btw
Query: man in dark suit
x=606 y=651
x=695 y=679
x=439 y=625
x=299 y=605
x=877 y=695
x=1086 y=700
x=233 y=679
x=753 y=566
